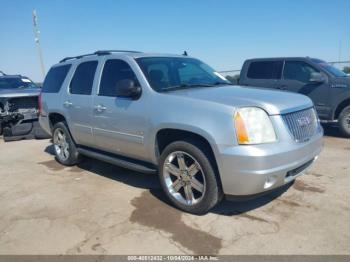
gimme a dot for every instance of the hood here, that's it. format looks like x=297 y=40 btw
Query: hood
x=19 y=92
x=272 y=101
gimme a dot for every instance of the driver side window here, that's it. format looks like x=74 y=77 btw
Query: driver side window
x=299 y=71
x=115 y=70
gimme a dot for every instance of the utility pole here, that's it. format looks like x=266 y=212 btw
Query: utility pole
x=37 y=41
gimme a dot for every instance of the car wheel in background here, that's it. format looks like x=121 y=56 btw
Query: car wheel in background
x=64 y=147
x=188 y=177
x=344 y=121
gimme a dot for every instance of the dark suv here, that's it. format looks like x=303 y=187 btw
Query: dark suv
x=327 y=86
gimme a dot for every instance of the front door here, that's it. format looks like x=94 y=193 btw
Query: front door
x=120 y=124
x=296 y=78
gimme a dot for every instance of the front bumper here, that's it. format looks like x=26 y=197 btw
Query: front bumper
x=250 y=170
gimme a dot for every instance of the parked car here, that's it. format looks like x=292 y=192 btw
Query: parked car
x=19 y=108
x=177 y=116
x=327 y=86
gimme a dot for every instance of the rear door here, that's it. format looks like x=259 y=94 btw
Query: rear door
x=266 y=74
x=296 y=78
x=78 y=102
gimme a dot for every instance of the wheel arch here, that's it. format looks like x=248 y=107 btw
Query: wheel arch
x=340 y=107
x=54 y=118
x=165 y=136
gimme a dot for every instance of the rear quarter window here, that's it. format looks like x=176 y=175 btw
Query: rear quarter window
x=54 y=79
x=265 y=70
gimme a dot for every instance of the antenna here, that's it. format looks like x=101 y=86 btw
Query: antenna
x=339 y=51
x=37 y=41
x=185 y=53
x=2 y=73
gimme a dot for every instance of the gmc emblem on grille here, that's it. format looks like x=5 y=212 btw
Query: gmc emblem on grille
x=303 y=121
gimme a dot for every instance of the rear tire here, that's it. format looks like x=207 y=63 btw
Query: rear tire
x=188 y=177
x=344 y=121
x=64 y=147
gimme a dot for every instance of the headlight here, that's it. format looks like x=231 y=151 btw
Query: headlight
x=253 y=126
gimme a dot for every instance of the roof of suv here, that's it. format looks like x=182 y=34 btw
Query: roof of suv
x=133 y=54
x=13 y=76
x=281 y=58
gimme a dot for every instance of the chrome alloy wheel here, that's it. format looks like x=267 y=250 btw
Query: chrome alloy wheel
x=60 y=144
x=347 y=121
x=184 y=178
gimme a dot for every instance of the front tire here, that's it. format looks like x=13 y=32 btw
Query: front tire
x=187 y=176
x=344 y=121
x=64 y=146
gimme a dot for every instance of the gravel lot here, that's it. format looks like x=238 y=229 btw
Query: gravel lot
x=98 y=208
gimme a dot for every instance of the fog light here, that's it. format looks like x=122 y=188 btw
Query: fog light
x=270 y=181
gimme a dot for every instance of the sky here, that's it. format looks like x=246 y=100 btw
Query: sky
x=222 y=33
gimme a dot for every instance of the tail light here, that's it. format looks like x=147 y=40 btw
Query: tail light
x=39 y=104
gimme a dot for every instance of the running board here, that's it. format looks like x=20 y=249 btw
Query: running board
x=119 y=161
x=329 y=121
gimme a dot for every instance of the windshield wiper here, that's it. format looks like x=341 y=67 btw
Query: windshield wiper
x=222 y=83
x=185 y=86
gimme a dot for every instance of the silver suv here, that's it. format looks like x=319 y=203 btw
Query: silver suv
x=177 y=116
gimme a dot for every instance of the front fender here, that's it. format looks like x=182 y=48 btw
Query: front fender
x=339 y=99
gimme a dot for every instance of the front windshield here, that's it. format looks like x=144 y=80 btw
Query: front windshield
x=330 y=68
x=16 y=83
x=173 y=73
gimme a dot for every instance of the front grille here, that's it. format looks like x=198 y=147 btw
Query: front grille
x=302 y=125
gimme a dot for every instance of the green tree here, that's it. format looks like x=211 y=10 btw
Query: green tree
x=346 y=69
x=233 y=79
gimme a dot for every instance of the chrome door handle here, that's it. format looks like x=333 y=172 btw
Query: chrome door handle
x=100 y=108
x=67 y=104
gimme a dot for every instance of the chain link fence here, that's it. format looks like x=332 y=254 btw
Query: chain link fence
x=231 y=75
x=342 y=65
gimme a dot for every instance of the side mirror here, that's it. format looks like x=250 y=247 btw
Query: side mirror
x=127 y=88
x=317 y=78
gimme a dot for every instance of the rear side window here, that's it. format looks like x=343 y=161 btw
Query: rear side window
x=54 y=79
x=115 y=70
x=83 y=78
x=265 y=70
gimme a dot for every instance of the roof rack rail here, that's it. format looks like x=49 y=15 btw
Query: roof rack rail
x=74 y=57
x=99 y=52
x=107 y=52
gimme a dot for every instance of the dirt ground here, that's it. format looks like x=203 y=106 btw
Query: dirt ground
x=97 y=208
